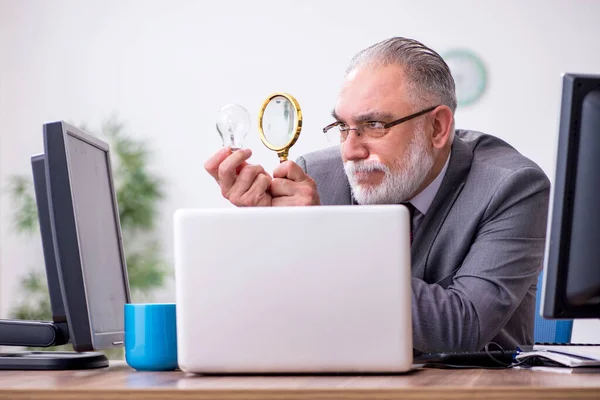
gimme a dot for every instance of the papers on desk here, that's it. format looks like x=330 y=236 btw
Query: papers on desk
x=565 y=370
x=586 y=351
x=568 y=359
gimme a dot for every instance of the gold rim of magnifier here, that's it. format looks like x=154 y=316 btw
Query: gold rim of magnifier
x=283 y=150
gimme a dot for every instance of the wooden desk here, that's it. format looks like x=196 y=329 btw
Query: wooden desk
x=119 y=381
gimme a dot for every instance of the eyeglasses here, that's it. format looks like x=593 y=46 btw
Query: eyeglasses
x=338 y=131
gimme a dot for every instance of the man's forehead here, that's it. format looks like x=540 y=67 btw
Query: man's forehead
x=371 y=89
x=389 y=74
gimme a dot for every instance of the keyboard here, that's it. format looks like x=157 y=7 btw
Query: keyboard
x=498 y=358
x=475 y=359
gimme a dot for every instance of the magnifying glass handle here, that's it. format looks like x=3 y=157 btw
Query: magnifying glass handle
x=283 y=155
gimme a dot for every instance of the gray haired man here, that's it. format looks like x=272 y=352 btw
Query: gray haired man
x=479 y=208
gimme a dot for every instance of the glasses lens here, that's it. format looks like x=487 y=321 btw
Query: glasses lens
x=333 y=135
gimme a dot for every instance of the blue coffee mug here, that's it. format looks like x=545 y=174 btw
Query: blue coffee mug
x=151 y=336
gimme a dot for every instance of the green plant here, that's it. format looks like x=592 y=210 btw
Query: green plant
x=138 y=193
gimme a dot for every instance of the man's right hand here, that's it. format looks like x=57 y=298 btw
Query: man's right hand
x=241 y=183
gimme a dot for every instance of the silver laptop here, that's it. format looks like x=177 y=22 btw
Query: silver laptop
x=293 y=289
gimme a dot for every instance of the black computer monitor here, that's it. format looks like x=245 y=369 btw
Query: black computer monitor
x=572 y=261
x=83 y=253
x=87 y=236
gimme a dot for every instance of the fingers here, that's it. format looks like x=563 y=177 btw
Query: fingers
x=244 y=184
x=228 y=169
x=290 y=170
x=257 y=195
x=212 y=164
x=244 y=181
x=286 y=192
x=291 y=186
x=283 y=187
x=292 y=201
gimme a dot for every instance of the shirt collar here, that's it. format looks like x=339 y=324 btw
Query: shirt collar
x=423 y=200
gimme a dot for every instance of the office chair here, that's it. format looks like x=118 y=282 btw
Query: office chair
x=546 y=330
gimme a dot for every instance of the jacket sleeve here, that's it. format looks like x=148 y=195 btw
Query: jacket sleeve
x=503 y=262
x=302 y=163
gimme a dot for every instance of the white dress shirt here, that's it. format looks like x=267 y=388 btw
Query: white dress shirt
x=423 y=200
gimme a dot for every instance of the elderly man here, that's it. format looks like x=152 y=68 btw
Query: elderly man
x=479 y=208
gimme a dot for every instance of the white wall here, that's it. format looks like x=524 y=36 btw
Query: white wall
x=167 y=66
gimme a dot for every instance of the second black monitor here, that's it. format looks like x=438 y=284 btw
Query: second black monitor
x=572 y=265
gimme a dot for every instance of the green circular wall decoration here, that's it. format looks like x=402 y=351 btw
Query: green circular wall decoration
x=469 y=73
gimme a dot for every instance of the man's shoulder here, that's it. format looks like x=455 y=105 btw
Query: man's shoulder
x=326 y=168
x=494 y=154
x=322 y=158
x=498 y=171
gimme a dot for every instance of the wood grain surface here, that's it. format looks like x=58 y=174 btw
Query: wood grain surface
x=120 y=381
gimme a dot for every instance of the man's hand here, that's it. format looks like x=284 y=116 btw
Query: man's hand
x=241 y=183
x=291 y=186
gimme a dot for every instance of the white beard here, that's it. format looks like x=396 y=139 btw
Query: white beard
x=400 y=182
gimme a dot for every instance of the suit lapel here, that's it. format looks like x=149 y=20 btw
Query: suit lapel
x=456 y=175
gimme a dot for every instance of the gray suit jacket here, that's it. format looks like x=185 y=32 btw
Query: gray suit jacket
x=477 y=253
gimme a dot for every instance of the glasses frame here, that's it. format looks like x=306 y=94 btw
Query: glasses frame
x=385 y=126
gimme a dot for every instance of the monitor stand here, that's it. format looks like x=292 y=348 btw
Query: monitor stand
x=43 y=334
x=52 y=360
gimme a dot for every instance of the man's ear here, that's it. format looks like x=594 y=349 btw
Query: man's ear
x=442 y=126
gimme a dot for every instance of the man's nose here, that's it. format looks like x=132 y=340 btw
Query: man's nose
x=353 y=147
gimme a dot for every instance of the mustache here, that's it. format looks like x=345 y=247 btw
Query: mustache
x=353 y=167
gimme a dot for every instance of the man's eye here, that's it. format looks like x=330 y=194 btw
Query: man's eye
x=374 y=125
x=343 y=127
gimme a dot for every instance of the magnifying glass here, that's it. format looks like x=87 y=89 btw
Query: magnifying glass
x=279 y=123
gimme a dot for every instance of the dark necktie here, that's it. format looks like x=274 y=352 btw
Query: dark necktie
x=411 y=210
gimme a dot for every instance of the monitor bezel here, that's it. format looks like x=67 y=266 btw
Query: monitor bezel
x=68 y=256
x=554 y=303
x=38 y=167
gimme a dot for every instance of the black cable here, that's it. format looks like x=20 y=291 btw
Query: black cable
x=490 y=355
x=501 y=364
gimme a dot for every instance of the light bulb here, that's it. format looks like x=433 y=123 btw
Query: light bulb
x=233 y=123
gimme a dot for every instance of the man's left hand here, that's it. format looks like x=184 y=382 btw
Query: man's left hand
x=291 y=186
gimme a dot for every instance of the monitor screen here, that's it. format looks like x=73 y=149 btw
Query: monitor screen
x=98 y=233
x=87 y=232
x=572 y=264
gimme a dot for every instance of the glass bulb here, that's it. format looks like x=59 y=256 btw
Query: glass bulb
x=233 y=124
